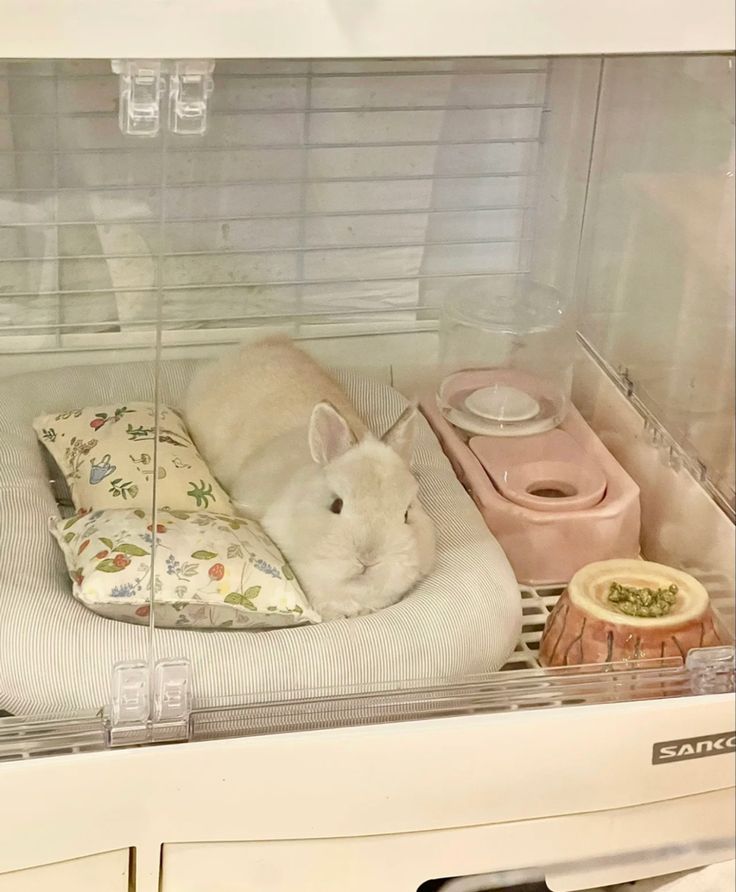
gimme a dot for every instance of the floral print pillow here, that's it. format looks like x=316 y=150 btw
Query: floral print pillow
x=106 y=456
x=210 y=571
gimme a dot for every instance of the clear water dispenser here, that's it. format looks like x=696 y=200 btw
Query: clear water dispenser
x=506 y=358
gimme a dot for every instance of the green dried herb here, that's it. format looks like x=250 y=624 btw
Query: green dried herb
x=644 y=602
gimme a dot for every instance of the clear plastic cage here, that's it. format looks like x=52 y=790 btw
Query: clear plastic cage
x=403 y=221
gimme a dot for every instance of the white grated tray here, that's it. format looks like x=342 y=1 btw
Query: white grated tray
x=536 y=606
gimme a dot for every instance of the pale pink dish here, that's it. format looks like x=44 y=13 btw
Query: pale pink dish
x=500 y=402
x=586 y=627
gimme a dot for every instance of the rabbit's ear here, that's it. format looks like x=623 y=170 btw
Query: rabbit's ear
x=400 y=437
x=329 y=434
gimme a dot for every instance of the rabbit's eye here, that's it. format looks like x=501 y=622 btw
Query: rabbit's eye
x=406 y=516
x=336 y=506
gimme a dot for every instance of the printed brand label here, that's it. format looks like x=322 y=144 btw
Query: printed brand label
x=693 y=747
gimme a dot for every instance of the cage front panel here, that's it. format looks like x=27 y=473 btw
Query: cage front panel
x=412 y=224
x=79 y=422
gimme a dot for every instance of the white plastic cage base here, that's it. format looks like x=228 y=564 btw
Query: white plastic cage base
x=521 y=684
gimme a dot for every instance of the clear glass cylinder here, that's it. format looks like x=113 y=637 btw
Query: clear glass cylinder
x=506 y=358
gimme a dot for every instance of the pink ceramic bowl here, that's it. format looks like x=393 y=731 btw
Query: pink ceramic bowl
x=585 y=627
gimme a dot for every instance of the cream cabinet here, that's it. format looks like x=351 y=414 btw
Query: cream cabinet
x=106 y=872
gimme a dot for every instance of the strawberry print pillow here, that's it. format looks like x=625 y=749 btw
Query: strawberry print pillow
x=106 y=456
x=212 y=571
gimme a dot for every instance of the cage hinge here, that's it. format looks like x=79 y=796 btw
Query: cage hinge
x=711 y=669
x=143 y=86
x=627 y=382
x=149 y=710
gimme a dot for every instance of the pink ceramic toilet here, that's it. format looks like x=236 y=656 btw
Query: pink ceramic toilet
x=554 y=497
x=548 y=472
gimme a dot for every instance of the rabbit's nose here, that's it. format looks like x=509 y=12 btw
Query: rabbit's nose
x=366 y=564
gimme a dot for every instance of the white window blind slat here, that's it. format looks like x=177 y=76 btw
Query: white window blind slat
x=328 y=189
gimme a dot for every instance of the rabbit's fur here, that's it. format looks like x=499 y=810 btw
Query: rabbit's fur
x=283 y=438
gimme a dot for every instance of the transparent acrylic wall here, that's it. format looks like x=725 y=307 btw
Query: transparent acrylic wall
x=351 y=192
x=344 y=202
x=655 y=292
x=656 y=283
x=68 y=252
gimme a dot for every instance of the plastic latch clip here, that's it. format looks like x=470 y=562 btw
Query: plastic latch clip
x=141 y=87
x=172 y=691
x=130 y=702
x=190 y=84
x=711 y=669
x=143 y=84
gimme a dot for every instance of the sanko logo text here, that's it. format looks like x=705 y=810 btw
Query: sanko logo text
x=693 y=747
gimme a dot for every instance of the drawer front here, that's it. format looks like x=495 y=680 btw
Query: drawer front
x=629 y=843
x=107 y=872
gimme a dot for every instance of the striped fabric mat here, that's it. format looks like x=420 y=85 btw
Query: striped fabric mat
x=57 y=656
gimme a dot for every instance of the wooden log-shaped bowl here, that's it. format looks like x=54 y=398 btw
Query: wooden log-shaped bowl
x=585 y=627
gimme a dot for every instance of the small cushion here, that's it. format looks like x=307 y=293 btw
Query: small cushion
x=106 y=456
x=211 y=570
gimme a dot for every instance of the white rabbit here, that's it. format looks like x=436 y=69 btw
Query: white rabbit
x=283 y=438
